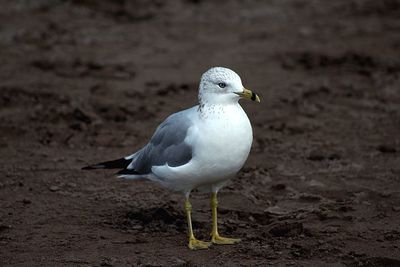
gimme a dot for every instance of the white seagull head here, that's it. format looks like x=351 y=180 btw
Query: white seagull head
x=221 y=85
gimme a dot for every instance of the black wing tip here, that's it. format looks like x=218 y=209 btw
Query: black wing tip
x=93 y=167
x=128 y=172
x=113 y=164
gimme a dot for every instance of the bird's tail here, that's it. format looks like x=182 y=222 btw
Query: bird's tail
x=121 y=163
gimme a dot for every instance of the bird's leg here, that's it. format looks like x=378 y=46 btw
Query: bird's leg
x=194 y=243
x=215 y=237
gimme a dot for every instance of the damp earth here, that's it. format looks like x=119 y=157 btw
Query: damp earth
x=84 y=81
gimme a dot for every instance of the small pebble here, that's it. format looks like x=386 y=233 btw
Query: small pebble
x=180 y=262
x=54 y=188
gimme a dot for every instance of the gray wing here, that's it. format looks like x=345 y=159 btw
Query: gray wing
x=167 y=145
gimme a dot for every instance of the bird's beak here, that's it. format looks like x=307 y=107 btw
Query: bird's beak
x=248 y=94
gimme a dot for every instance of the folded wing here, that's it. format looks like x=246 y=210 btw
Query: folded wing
x=167 y=146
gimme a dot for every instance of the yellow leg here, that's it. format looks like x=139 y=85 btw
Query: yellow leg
x=215 y=237
x=194 y=244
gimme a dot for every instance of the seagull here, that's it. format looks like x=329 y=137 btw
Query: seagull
x=202 y=147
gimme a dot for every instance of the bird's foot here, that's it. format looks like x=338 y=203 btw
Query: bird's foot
x=219 y=240
x=195 y=244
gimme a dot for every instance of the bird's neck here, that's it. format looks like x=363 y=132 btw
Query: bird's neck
x=217 y=110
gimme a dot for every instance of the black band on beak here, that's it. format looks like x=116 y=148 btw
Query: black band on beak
x=248 y=94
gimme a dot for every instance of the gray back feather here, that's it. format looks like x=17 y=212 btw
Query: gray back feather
x=166 y=145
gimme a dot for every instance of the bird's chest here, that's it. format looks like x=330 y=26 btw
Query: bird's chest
x=228 y=139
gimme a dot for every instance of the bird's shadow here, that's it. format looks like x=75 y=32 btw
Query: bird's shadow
x=161 y=219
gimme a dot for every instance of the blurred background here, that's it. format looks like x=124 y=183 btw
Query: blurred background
x=83 y=81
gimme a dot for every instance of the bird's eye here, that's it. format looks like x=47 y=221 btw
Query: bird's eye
x=222 y=85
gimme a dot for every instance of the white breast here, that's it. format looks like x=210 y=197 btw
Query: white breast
x=228 y=136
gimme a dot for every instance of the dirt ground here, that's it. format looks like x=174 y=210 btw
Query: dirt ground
x=83 y=81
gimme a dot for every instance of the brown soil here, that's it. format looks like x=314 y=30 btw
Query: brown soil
x=83 y=81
